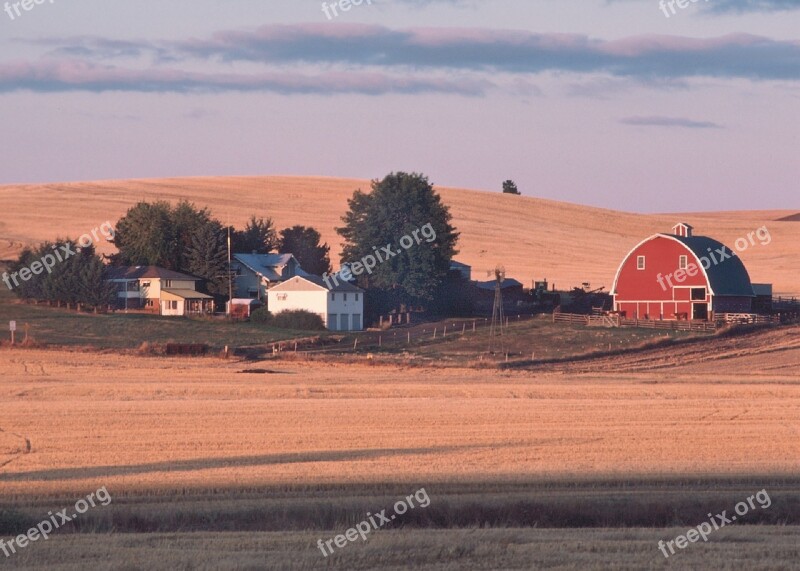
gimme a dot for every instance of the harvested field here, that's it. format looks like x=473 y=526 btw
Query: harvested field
x=213 y=469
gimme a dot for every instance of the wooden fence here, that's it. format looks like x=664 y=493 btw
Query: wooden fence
x=617 y=321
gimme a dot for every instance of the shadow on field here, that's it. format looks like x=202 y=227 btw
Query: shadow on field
x=233 y=462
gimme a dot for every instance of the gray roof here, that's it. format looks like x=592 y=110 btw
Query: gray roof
x=343 y=285
x=152 y=272
x=266 y=265
x=728 y=277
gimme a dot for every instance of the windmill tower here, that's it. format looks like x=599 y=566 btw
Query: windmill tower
x=497 y=329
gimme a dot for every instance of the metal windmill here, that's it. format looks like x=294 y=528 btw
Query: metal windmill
x=497 y=329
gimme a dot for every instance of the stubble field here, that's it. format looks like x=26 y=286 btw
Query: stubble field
x=211 y=467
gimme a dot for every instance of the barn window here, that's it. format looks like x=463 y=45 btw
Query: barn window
x=698 y=293
x=356 y=297
x=639 y=262
x=345 y=296
x=683 y=261
x=333 y=296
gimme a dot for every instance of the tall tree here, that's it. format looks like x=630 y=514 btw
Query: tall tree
x=399 y=205
x=208 y=257
x=146 y=236
x=187 y=221
x=258 y=236
x=304 y=243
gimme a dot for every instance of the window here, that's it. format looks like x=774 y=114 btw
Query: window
x=698 y=294
x=683 y=261
x=345 y=296
x=133 y=286
x=356 y=297
x=167 y=283
x=282 y=296
x=333 y=296
x=639 y=262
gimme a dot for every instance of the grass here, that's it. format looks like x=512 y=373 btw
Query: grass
x=54 y=326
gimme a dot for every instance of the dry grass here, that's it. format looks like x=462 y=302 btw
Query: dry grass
x=757 y=549
x=566 y=243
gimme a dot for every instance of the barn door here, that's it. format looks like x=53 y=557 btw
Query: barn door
x=700 y=311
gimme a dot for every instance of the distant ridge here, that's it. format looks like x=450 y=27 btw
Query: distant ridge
x=791 y=218
x=534 y=238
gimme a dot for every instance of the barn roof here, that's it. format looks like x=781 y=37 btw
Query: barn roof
x=729 y=276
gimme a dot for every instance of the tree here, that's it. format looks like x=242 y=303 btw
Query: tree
x=397 y=206
x=258 y=236
x=147 y=236
x=304 y=243
x=187 y=221
x=510 y=187
x=63 y=273
x=208 y=257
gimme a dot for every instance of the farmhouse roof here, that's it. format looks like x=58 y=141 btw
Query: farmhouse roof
x=729 y=276
x=152 y=272
x=266 y=265
x=186 y=294
x=312 y=280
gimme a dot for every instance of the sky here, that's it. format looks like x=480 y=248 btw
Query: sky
x=623 y=104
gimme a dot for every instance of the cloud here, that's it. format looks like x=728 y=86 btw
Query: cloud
x=370 y=59
x=742 y=6
x=481 y=50
x=656 y=121
x=59 y=76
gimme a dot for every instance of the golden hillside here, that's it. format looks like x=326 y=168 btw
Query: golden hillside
x=534 y=238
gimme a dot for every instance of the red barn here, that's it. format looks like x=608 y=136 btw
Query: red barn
x=681 y=276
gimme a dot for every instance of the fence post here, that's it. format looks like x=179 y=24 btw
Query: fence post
x=434 y=333
x=409 y=337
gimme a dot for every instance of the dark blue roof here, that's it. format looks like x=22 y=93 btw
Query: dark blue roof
x=727 y=277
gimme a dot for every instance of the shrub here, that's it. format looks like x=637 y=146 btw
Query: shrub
x=260 y=315
x=293 y=319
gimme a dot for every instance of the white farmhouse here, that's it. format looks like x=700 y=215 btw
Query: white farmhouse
x=341 y=306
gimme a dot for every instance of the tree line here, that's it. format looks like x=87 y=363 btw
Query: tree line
x=188 y=239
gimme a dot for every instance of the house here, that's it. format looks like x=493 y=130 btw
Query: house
x=254 y=274
x=340 y=306
x=159 y=290
x=681 y=276
x=463 y=269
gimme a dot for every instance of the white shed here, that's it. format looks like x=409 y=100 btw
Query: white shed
x=341 y=306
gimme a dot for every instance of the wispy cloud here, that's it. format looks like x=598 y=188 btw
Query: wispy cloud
x=657 y=121
x=56 y=76
x=721 y=6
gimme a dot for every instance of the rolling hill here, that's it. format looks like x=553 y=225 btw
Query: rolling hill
x=533 y=238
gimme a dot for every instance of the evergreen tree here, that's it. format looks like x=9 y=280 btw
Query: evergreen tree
x=208 y=257
x=258 y=236
x=304 y=243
